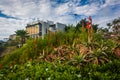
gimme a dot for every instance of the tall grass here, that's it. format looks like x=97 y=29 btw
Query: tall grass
x=35 y=48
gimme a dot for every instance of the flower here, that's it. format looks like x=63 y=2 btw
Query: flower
x=89 y=73
x=28 y=64
x=78 y=75
x=110 y=61
x=46 y=69
x=49 y=78
x=26 y=78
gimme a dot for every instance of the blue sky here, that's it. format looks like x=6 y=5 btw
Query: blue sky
x=15 y=14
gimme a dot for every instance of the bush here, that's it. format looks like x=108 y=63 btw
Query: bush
x=46 y=70
x=2 y=48
x=12 y=57
x=73 y=58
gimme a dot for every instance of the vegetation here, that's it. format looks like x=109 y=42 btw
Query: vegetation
x=2 y=49
x=22 y=34
x=115 y=25
x=64 y=55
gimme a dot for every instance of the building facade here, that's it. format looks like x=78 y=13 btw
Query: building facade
x=12 y=37
x=40 y=28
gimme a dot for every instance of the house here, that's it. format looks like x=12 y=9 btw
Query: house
x=12 y=37
x=40 y=28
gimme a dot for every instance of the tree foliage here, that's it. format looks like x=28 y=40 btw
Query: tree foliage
x=22 y=34
x=115 y=25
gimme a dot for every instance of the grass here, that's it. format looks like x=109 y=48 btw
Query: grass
x=63 y=56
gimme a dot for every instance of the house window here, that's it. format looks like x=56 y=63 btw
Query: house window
x=40 y=27
x=40 y=33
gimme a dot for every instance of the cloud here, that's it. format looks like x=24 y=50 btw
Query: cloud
x=62 y=11
x=9 y=26
x=111 y=2
x=86 y=10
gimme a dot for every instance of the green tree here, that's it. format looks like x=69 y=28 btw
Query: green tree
x=102 y=30
x=81 y=23
x=116 y=25
x=95 y=27
x=109 y=25
x=22 y=34
x=69 y=27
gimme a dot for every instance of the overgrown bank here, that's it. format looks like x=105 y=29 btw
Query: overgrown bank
x=64 y=56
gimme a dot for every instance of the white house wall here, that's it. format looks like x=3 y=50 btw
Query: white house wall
x=44 y=27
x=60 y=27
x=47 y=25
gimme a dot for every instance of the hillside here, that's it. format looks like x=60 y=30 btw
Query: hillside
x=63 y=56
x=8 y=50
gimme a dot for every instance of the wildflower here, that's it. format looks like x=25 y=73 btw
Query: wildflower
x=110 y=61
x=26 y=78
x=78 y=75
x=49 y=78
x=89 y=73
x=15 y=66
x=46 y=69
x=28 y=64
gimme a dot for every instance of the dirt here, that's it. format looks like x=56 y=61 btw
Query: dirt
x=8 y=50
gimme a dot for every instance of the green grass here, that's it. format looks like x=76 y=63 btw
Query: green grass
x=61 y=56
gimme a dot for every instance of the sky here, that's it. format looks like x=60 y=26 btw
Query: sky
x=15 y=14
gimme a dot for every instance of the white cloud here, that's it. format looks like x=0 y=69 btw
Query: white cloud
x=62 y=9
x=86 y=10
x=26 y=10
x=9 y=26
x=110 y=3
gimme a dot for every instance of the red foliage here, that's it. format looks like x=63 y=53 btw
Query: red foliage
x=0 y=66
x=117 y=52
x=89 y=23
